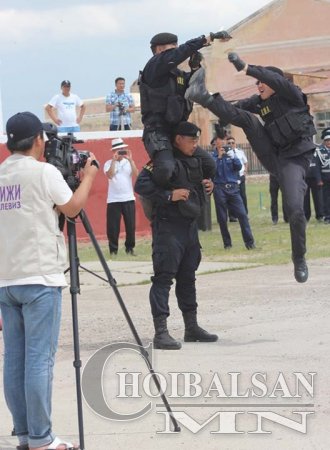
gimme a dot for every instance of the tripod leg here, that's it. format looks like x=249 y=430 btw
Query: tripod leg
x=74 y=290
x=113 y=284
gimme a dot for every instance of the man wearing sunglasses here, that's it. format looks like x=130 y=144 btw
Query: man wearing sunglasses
x=283 y=142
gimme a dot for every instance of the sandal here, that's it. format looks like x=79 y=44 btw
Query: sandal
x=56 y=443
x=65 y=445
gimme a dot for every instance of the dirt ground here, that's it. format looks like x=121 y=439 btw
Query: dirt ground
x=266 y=322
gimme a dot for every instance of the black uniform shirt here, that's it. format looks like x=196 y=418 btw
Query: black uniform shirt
x=287 y=96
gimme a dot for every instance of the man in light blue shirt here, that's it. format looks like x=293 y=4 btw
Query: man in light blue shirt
x=120 y=105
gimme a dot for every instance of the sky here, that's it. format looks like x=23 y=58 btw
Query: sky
x=92 y=42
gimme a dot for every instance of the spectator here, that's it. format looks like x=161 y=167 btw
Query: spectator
x=314 y=186
x=120 y=106
x=242 y=157
x=31 y=284
x=227 y=197
x=121 y=200
x=324 y=155
x=274 y=189
x=62 y=109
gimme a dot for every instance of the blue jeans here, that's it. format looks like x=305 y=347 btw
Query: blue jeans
x=31 y=321
x=68 y=129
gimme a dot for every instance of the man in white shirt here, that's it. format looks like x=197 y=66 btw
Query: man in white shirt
x=63 y=108
x=32 y=260
x=242 y=157
x=121 y=199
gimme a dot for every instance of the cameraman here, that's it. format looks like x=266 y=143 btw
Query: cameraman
x=31 y=275
x=226 y=193
x=120 y=106
x=121 y=200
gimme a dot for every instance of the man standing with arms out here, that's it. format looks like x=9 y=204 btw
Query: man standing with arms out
x=120 y=106
x=162 y=89
x=227 y=196
x=32 y=262
x=176 y=248
x=62 y=109
x=121 y=201
x=284 y=144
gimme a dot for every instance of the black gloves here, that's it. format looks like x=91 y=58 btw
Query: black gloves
x=195 y=61
x=221 y=35
x=236 y=60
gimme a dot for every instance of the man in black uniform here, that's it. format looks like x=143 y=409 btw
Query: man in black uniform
x=314 y=187
x=324 y=154
x=176 y=248
x=162 y=88
x=284 y=144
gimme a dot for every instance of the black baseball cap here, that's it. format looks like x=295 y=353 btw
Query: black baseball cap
x=24 y=125
x=66 y=83
x=163 y=39
x=187 y=129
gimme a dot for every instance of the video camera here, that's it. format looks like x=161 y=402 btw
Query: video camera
x=59 y=152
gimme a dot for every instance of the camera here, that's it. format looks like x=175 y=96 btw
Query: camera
x=59 y=152
x=227 y=148
x=122 y=152
x=122 y=109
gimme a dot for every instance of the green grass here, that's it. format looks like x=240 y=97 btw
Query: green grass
x=272 y=241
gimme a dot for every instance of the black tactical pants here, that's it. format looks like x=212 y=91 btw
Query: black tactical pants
x=291 y=172
x=175 y=254
x=158 y=144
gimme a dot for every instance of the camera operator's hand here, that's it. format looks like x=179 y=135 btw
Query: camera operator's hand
x=208 y=186
x=80 y=196
x=91 y=166
x=237 y=61
x=180 y=194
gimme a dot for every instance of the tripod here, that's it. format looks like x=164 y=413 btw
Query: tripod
x=74 y=290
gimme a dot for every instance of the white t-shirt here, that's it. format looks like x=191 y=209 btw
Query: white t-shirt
x=242 y=157
x=120 y=187
x=59 y=193
x=66 y=108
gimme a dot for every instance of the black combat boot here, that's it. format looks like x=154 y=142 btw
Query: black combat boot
x=162 y=339
x=193 y=332
x=300 y=269
x=197 y=91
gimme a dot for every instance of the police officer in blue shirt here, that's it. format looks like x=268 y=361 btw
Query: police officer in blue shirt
x=227 y=195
